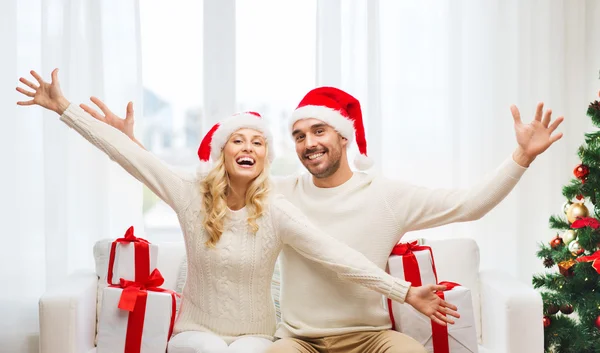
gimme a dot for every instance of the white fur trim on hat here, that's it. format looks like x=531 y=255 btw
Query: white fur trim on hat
x=332 y=117
x=363 y=162
x=233 y=124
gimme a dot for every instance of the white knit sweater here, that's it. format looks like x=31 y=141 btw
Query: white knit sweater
x=228 y=290
x=370 y=214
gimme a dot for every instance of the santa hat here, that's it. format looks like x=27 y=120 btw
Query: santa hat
x=216 y=138
x=339 y=110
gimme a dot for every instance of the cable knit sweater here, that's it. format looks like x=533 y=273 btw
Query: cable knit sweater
x=370 y=214
x=228 y=290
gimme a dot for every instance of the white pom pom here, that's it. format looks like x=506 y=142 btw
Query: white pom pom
x=363 y=162
x=203 y=168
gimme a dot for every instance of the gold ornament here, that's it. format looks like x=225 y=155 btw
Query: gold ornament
x=575 y=248
x=565 y=206
x=575 y=211
x=568 y=236
x=565 y=267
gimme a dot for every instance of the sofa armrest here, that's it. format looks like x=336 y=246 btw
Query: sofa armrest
x=68 y=315
x=511 y=315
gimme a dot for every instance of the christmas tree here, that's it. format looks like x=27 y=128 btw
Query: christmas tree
x=571 y=295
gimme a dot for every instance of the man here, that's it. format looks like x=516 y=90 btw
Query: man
x=321 y=313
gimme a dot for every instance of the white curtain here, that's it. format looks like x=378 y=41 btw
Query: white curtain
x=436 y=80
x=59 y=194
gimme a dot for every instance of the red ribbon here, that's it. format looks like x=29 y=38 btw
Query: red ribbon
x=133 y=299
x=142 y=256
x=594 y=259
x=412 y=273
x=439 y=333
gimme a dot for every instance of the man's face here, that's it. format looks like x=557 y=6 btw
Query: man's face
x=319 y=146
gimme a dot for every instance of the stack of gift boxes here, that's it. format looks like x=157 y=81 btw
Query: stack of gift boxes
x=415 y=263
x=137 y=316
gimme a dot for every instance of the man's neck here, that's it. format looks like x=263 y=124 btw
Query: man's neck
x=338 y=178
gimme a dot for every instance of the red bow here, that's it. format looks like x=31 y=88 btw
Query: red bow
x=594 y=259
x=132 y=289
x=131 y=238
x=401 y=249
x=586 y=222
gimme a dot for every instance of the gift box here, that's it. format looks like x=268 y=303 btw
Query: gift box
x=131 y=258
x=136 y=317
x=461 y=337
x=414 y=263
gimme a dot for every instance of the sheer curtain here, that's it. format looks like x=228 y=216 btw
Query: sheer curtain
x=437 y=78
x=59 y=194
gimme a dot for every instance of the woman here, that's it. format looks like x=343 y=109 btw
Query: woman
x=233 y=229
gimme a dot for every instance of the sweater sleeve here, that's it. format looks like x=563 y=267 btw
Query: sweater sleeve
x=296 y=231
x=417 y=208
x=173 y=187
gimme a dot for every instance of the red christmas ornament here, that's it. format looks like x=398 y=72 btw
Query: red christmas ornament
x=552 y=309
x=547 y=321
x=579 y=197
x=556 y=242
x=597 y=322
x=581 y=172
x=566 y=309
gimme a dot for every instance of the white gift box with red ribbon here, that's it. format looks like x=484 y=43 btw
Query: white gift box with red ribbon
x=460 y=337
x=131 y=258
x=136 y=317
x=413 y=263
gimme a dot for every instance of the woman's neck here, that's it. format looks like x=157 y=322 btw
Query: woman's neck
x=236 y=196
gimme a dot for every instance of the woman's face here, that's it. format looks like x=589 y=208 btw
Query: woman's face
x=244 y=155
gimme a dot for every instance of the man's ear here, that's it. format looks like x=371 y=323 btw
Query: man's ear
x=344 y=141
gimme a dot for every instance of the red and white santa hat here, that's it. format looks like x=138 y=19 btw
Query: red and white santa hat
x=216 y=138
x=339 y=110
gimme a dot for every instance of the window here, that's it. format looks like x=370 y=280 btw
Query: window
x=275 y=66
x=172 y=75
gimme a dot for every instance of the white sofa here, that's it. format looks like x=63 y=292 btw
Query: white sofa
x=508 y=313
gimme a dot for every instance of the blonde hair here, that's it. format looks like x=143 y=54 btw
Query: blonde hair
x=215 y=188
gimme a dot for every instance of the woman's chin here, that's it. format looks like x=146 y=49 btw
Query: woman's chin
x=243 y=173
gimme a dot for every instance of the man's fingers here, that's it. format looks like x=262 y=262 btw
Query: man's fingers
x=443 y=318
x=438 y=287
x=555 y=137
x=448 y=305
x=556 y=123
x=516 y=114
x=538 y=111
x=547 y=116
x=25 y=102
x=437 y=320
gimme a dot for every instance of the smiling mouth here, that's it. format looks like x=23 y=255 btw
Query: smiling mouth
x=314 y=156
x=245 y=162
